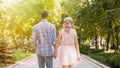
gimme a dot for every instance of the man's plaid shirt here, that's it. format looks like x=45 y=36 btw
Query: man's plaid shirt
x=43 y=37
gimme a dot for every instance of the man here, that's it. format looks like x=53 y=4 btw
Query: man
x=43 y=38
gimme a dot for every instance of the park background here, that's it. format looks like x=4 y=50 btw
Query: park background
x=97 y=23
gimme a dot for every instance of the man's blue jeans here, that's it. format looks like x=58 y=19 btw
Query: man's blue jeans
x=42 y=60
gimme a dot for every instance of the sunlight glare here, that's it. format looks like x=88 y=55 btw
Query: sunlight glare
x=8 y=3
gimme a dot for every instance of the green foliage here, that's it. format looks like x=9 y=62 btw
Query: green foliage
x=17 y=20
x=90 y=18
x=110 y=59
x=19 y=54
x=84 y=49
x=5 y=53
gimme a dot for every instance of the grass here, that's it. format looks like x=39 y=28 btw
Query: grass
x=19 y=54
x=110 y=59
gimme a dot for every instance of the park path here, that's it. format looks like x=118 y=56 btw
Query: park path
x=31 y=62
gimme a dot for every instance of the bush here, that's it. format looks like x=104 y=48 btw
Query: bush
x=28 y=47
x=5 y=53
x=84 y=49
x=110 y=59
x=19 y=54
x=114 y=60
x=96 y=50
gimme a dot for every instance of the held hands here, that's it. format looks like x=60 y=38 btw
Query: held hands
x=55 y=55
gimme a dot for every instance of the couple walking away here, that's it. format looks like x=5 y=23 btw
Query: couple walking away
x=44 y=40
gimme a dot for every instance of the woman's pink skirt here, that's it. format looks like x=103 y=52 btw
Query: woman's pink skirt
x=68 y=55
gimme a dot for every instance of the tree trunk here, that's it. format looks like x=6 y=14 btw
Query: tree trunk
x=96 y=43
x=108 y=39
x=113 y=40
x=117 y=39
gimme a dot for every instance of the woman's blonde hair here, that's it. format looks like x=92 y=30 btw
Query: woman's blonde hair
x=70 y=20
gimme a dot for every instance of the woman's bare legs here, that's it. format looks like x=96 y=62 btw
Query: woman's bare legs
x=65 y=66
x=68 y=66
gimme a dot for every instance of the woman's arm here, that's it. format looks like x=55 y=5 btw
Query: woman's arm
x=57 y=44
x=76 y=44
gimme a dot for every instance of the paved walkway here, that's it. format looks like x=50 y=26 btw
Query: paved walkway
x=31 y=62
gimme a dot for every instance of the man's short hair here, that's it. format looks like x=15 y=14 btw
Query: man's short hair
x=44 y=14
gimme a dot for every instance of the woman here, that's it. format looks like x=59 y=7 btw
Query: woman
x=67 y=39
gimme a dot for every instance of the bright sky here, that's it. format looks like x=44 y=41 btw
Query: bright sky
x=7 y=3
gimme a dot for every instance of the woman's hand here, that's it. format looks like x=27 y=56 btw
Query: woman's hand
x=78 y=58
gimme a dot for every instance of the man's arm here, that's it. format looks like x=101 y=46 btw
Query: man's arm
x=34 y=37
x=54 y=36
